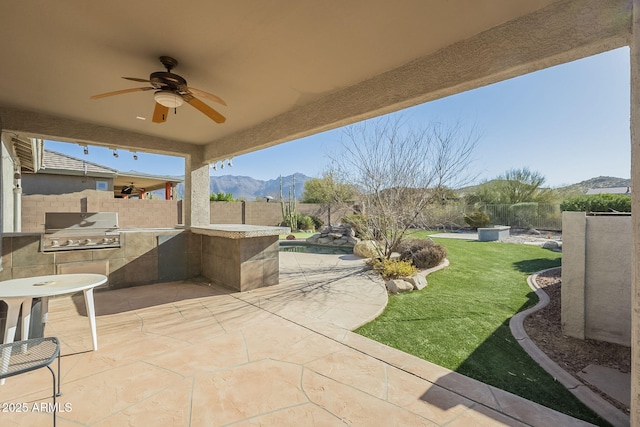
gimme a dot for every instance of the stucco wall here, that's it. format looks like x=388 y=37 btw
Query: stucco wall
x=596 y=277
x=61 y=184
x=7 y=191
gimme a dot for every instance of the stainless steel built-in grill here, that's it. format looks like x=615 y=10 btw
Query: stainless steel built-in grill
x=66 y=231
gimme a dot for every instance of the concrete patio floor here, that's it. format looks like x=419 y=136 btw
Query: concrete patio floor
x=188 y=354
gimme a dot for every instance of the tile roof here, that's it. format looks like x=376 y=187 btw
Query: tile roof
x=54 y=161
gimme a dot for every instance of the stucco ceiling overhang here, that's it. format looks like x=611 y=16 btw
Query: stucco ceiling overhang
x=286 y=69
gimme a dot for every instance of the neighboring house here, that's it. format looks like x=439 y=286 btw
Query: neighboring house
x=610 y=190
x=63 y=174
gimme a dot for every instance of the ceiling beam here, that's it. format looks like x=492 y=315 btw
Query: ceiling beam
x=38 y=125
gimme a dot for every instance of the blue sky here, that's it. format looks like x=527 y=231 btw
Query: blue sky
x=569 y=122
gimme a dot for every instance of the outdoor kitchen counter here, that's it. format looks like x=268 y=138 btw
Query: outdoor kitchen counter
x=240 y=256
x=239 y=231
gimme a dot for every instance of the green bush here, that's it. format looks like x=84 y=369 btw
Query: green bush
x=477 y=219
x=221 y=197
x=392 y=268
x=317 y=222
x=295 y=218
x=423 y=253
x=358 y=223
x=523 y=215
x=598 y=203
x=305 y=223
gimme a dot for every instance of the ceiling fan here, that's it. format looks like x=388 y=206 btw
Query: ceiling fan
x=171 y=91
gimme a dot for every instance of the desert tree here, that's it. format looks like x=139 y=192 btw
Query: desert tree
x=400 y=170
x=514 y=186
x=329 y=190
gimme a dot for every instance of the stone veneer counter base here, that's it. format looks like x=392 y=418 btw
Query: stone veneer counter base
x=241 y=257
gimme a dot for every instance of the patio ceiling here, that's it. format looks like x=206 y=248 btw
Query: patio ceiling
x=286 y=69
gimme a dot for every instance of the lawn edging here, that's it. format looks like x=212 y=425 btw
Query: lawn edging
x=575 y=387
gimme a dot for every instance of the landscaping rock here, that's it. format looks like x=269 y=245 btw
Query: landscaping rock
x=552 y=245
x=418 y=280
x=291 y=237
x=334 y=235
x=396 y=286
x=352 y=240
x=366 y=249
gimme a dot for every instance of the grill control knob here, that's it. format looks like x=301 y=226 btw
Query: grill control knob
x=69 y=242
x=88 y=242
x=105 y=240
x=55 y=243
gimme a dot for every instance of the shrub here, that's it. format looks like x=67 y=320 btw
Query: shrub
x=221 y=197
x=392 y=268
x=598 y=203
x=305 y=223
x=296 y=218
x=524 y=214
x=477 y=219
x=317 y=222
x=423 y=253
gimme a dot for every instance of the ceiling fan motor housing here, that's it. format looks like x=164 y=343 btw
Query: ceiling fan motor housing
x=167 y=80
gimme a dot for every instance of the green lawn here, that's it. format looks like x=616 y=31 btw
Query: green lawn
x=461 y=321
x=299 y=235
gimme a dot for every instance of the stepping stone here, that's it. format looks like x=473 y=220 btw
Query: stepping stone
x=610 y=381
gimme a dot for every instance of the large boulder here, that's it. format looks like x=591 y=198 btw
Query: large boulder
x=366 y=249
x=418 y=280
x=313 y=239
x=553 y=245
x=395 y=286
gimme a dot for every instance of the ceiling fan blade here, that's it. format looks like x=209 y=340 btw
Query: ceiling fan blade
x=160 y=113
x=120 y=92
x=135 y=79
x=205 y=109
x=207 y=95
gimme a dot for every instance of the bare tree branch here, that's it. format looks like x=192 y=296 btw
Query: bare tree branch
x=400 y=171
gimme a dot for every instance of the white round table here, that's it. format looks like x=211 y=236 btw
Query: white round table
x=20 y=292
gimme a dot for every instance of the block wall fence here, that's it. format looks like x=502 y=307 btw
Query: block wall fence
x=134 y=213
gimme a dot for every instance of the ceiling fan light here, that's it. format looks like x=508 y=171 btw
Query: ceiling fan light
x=168 y=98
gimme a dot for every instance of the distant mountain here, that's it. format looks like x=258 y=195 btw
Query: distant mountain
x=574 y=189
x=251 y=188
x=599 y=182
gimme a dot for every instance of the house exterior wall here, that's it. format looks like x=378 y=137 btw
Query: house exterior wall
x=61 y=184
x=7 y=191
x=597 y=277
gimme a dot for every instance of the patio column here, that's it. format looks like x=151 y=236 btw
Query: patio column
x=196 y=192
x=635 y=208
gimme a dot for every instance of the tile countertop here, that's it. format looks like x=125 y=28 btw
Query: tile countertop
x=239 y=231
